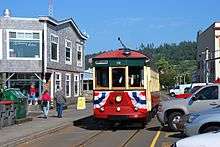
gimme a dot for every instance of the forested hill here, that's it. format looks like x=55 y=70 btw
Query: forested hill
x=173 y=61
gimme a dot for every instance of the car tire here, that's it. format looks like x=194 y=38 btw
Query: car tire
x=211 y=129
x=173 y=118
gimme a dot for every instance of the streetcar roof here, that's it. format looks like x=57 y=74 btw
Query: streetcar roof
x=120 y=54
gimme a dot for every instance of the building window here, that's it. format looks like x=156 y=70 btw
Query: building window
x=68 y=46
x=24 y=44
x=0 y=43
x=57 y=81
x=68 y=85
x=76 y=85
x=54 y=48
x=79 y=54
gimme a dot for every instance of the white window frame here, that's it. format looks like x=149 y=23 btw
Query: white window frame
x=1 y=53
x=60 y=79
x=58 y=53
x=24 y=31
x=67 y=74
x=79 y=48
x=78 y=80
x=71 y=52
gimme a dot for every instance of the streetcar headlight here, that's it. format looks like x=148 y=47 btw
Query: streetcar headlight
x=102 y=109
x=118 y=108
x=136 y=108
x=118 y=98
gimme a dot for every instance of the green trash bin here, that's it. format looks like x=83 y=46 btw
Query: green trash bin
x=20 y=101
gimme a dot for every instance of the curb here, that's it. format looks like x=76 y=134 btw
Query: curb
x=32 y=137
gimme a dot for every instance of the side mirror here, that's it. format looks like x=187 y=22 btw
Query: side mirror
x=194 y=98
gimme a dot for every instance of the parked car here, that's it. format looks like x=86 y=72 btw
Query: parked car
x=170 y=112
x=202 y=122
x=204 y=140
x=179 y=89
x=188 y=93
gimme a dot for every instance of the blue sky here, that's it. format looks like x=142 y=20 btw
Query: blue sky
x=136 y=22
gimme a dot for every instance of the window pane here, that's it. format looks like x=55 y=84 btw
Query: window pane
x=24 y=48
x=79 y=56
x=67 y=54
x=209 y=93
x=54 y=51
x=36 y=35
x=136 y=76
x=102 y=77
x=12 y=34
x=20 y=35
x=67 y=88
x=118 y=77
x=29 y=35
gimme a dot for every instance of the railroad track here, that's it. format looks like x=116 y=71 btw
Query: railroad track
x=130 y=138
x=88 y=140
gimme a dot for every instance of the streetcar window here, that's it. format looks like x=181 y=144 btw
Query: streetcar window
x=102 y=77
x=118 y=77
x=136 y=76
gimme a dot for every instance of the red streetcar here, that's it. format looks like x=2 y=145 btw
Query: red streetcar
x=125 y=87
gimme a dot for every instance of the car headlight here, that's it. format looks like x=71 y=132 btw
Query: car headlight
x=118 y=98
x=192 y=117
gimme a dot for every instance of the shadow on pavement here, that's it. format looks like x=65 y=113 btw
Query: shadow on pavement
x=159 y=128
x=178 y=135
x=90 y=123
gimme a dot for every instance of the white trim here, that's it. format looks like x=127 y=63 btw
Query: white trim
x=24 y=31
x=1 y=53
x=23 y=18
x=58 y=53
x=71 y=52
x=79 y=48
x=63 y=22
x=78 y=88
x=68 y=74
x=45 y=47
x=52 y=85
x=58 y=73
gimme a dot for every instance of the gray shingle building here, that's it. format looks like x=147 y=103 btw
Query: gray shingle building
x=34 y=51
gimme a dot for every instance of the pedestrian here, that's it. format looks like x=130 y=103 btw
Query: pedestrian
x=46 y=102
x=60 y=102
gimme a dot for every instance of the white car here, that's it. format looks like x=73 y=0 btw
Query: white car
x=211 y=139
x=179 y=89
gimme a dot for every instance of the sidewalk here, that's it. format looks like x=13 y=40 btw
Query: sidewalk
x=13 y=135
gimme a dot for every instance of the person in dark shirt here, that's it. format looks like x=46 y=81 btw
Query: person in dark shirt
x=60 y=102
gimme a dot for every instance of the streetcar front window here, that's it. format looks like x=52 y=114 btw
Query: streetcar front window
x=118 y=77
x=136 y=76
x=102 y=77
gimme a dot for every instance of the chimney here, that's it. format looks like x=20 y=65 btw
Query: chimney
x=7 y=13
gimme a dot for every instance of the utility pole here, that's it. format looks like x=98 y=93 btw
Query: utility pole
x=50 y=8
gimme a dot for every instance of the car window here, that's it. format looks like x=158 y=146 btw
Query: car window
x=208 y=93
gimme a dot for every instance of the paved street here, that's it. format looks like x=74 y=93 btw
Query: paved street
x=89 y=132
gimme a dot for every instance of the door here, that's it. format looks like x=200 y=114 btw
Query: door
x=206 y=98
x=76 y=85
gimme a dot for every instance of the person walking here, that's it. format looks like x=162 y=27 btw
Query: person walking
x=46 y=103
x=60 y=102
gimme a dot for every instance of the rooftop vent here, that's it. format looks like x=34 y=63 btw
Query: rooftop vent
x=6 y=13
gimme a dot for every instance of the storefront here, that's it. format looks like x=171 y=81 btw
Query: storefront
x=28 y=83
